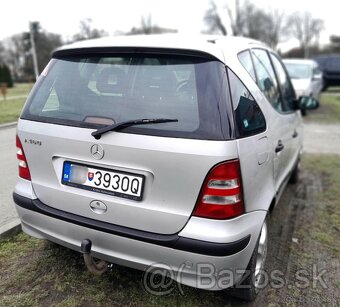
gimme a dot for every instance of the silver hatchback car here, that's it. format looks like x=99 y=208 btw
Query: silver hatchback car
x=306 y=77
x=160 y=150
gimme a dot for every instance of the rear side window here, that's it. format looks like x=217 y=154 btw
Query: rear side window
x=248 y=115
x=91 y=91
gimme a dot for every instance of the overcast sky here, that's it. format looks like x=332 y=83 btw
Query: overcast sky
x=63 y=16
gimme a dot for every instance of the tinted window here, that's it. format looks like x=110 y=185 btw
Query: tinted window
x=248 y=115
x=334 y=64
x=287 y=90
x=247 y=63
x=89 y=91
x=266 y=78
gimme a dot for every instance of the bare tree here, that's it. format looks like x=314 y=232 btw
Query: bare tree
x=334 y=45
x=213 y=20
x=306 y=29
x=147 y=27
x=256 y=22
x=14 y=54
x=238 y=18
x=2 y=50
x=87 y=31
x=276 y=27
x=17 y=51
x=266 y=26
x=146 y=24
x=45 y=42
x=246 y=19
x=335 y=40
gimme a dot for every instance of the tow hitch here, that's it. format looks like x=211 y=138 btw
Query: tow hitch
x=95 y=267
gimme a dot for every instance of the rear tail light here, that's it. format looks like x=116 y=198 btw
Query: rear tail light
x=24 y=171
x=221 y=195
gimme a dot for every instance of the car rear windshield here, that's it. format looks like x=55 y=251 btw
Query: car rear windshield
x=98 y=90
x=299 y=71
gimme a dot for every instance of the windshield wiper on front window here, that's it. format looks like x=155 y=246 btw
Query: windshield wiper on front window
x=119 y=126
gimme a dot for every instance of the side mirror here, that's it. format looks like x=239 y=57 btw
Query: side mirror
x=308 y=103
x=317 y=77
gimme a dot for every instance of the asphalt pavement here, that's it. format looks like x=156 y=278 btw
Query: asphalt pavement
x=9 y=220
x=322 y=138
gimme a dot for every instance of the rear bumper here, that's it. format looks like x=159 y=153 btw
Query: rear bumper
x=172 y=241
x=185 y=253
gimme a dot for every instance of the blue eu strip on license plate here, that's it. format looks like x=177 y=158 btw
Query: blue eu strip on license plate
x=67 y=171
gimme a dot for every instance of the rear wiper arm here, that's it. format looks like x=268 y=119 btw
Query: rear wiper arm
x=119 y=126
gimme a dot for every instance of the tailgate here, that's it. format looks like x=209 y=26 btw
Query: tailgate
x=172 y=170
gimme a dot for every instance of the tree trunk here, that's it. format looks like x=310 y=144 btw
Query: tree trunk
x=3 y=90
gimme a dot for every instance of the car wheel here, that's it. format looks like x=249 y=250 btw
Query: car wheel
x=252 y=281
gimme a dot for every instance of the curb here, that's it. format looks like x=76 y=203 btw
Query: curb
x=10 y=229
x=8 y=125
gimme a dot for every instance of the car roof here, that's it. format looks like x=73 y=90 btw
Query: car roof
x=215 y=45
x=328 y=56
x=300 y=61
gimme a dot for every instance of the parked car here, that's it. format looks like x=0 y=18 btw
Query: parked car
x=330 y=66
x=306 y=77
x=154 y=150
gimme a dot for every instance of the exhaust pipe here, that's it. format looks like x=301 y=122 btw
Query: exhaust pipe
x=95 y=267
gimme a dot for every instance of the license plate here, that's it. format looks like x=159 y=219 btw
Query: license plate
x=101 y=180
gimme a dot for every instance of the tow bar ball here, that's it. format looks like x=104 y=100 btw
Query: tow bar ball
x=95 y=267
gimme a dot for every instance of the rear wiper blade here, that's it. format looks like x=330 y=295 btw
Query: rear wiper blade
x=119 y=126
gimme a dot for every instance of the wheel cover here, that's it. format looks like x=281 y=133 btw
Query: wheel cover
x=261 y=255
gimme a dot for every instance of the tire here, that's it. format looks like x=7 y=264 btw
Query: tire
x=249 y=287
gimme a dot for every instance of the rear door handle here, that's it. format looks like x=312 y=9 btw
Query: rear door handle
x=279 y=146
x=295 y=134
